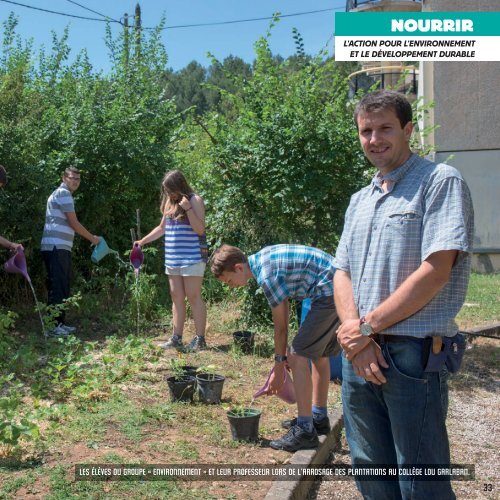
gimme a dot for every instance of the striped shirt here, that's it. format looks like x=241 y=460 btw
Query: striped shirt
x=183 y=246
x=387 y=236
x=57 y=232
x=292 y=271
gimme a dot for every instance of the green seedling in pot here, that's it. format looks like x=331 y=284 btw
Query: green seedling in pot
x=209 y=370
x=178 y=366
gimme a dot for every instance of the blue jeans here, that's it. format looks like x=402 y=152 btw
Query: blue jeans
x=400 y=422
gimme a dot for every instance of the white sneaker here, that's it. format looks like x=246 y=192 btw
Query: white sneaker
x=69 y=329
x=58 y=331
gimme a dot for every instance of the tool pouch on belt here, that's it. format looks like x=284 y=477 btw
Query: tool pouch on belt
x=450 y=353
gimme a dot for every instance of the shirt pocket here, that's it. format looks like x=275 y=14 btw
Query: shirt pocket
x=405 y=223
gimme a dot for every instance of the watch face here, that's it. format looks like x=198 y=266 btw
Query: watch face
x=366 y=329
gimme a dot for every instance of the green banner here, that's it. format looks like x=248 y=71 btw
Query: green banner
x=417 y=23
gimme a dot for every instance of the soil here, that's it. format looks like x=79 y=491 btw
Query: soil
x=159 y=443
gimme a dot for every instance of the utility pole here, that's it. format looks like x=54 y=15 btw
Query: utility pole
x=137 y=19
x=125 y=39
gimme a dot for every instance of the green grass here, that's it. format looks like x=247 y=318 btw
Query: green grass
x=482 y=304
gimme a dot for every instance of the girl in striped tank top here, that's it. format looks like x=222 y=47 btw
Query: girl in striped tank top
x=183 y=224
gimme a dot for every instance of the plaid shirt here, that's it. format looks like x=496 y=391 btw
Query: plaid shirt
x=387 y=236
x=294 y=271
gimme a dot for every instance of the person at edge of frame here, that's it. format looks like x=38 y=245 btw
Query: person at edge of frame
x=4 y=241
x=403 y=264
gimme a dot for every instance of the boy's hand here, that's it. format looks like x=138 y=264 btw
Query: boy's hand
x=277 y=379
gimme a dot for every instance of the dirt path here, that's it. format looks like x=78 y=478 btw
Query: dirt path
x=473 y=421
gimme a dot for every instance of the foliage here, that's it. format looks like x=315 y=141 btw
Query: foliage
x=120 y=130
x=284 y=168
x=15 y=421
x=284 y=165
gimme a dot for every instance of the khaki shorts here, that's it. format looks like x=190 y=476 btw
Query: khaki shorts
x=317 y=336
x=197 y=269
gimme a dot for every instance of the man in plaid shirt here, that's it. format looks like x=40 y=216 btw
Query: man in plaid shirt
x=403 y=265
x=293 y=272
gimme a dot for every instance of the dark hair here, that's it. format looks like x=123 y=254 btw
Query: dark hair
x=225 y=258
x=173 y=182
x=382 y=100
x=3 y=176
x=71 y=170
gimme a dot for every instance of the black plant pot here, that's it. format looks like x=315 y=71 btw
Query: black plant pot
x=244 y=340
x=244 y=425
x=209 y=387
x=181 y=388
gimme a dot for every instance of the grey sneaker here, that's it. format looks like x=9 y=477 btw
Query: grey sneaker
x=322 y=426
x=174 y=343
x=69 y=329
x=58 y=332
x=197 y=344
x=296 y=439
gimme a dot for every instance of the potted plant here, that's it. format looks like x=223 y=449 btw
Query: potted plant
x=244 y=340
x=181 y=385
x=209 y=384
x=244 y=423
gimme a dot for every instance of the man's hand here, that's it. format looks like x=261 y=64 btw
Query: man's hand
x=277 y=379
x=366 y=363
x=350 y=339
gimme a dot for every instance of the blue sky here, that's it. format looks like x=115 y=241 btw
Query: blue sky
x=183 y=44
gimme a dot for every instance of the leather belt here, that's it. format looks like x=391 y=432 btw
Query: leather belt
x=381 y=338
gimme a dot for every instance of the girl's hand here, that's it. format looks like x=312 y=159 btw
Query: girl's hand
x=138 y=242
x=185 y=204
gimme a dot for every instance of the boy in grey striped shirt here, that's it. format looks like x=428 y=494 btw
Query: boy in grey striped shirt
x=61 y=224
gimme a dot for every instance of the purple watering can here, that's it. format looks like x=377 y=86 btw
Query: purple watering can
x=136 y=258
x=287 y=391
x=17 y=264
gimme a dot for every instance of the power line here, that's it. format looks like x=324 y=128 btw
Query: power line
x=218 y=23
x=93 y=11
x=105 y=18
x=58 y=13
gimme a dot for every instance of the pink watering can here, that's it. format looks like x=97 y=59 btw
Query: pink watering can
x=287 y=391
x=17 y=264
x=136 y=257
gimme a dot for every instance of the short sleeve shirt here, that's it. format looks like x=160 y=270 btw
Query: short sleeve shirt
x=57 y=232
x=292 y=271
x=387 y=235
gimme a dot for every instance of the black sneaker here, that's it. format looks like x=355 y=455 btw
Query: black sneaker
x=322 y=426
x=296 y=439
x=197 y=344
x=174 y=343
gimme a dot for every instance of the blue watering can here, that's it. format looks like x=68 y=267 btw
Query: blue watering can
x=101 y=250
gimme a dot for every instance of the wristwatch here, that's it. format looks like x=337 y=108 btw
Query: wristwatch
x=365 y=328
x=280 y=358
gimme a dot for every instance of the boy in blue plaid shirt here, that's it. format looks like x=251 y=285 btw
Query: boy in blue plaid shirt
x=293 y=272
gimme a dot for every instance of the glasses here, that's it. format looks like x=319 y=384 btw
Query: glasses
x=73 y=178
